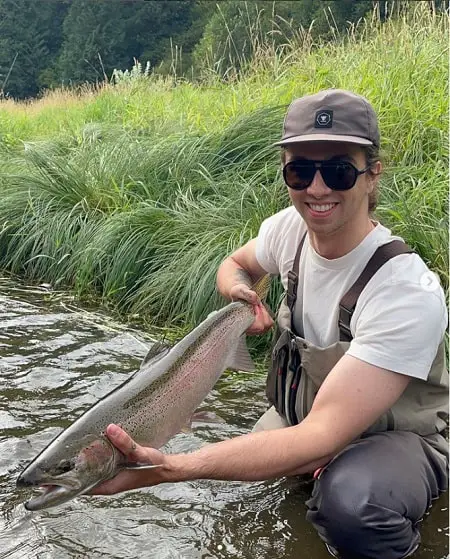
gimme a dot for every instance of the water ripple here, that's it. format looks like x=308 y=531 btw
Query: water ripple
x=54 y=364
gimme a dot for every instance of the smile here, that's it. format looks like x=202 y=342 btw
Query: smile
x=322 y=209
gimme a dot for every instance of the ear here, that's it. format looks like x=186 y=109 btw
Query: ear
x=377 y=168
x=374 y=176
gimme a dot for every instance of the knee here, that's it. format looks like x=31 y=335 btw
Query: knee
x=341 y=505
x=346 y=512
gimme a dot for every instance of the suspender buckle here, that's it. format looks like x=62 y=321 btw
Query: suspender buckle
x=291 y=289
x=345 y=316
x=292 y=283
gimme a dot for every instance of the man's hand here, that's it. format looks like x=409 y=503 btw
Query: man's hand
x=263 y=321
x=134 y=453
x=234 y=276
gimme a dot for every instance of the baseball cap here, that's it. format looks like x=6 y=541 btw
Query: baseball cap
x=332 y=115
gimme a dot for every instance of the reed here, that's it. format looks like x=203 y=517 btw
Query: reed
x=133 y=192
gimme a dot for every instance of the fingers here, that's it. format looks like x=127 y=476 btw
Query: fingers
x=122 y=482
x=134 y=454
x=127 y=446
x=243 y=292
x=263 y=321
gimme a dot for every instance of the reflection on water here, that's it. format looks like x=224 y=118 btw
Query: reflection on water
x=53 y=365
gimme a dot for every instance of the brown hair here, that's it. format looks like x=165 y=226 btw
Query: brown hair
x=372 y=155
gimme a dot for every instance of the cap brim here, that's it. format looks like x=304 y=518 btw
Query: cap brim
x=324 y=138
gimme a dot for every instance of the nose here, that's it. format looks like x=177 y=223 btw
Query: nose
x=318 y=188
x=29 y=477
x=23 y=481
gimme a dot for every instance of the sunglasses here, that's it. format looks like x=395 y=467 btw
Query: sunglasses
x=336 y=174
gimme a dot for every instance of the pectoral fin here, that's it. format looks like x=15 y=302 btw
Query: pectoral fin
x=206 y=417
x=139 y=466
x=241 y=359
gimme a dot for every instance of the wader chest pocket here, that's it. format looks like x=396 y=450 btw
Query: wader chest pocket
x=284 y=379
x=278 y=381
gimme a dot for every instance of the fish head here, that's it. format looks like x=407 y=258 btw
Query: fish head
x=62 y=472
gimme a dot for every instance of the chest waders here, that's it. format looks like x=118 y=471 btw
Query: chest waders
x=299 y=368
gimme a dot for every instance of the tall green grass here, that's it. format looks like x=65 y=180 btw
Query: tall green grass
x=133 y=193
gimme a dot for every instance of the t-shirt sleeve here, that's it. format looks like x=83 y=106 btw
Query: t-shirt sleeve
x=265 y=249
x=400 y=327
x=277 y=241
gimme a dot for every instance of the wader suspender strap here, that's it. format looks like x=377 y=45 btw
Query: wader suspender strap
x=348 y=301
x=292 y=286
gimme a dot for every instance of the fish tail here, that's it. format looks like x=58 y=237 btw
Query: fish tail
x=262 y=286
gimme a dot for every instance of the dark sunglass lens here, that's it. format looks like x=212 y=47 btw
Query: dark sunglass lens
x=339 y=175
x=298 y=174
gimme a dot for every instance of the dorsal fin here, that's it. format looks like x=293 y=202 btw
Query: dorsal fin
x=157 y=351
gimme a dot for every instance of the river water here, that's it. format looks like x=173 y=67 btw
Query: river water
x=55 y=362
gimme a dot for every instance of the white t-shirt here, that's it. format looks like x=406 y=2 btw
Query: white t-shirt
x=400 y=317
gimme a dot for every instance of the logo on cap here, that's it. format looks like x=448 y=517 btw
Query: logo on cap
x=324 y=119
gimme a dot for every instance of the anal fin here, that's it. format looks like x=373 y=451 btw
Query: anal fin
x=241 y=359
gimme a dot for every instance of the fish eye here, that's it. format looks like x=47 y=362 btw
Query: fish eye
x=65 y=466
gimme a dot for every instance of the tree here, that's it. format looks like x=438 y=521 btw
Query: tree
x=105 y=35
x=331 y=17
x=30 y=38
x=94 y=40
x=236 y=29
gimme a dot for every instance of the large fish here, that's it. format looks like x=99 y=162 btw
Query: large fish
x=153 y=405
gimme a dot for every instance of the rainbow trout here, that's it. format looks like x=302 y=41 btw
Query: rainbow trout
x=153 y=405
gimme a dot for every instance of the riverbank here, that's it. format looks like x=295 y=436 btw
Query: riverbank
x=133 y=193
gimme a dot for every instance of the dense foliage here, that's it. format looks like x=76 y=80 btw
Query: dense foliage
x=54 y=43
x=133 y=192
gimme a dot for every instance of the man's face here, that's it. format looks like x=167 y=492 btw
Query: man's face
x=327 y=211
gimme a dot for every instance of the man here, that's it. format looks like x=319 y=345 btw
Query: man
x=357 y=382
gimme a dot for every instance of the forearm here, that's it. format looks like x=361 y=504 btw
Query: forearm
x=311 y=466
x=240 y=269
x=256 y=456
x=230 y=273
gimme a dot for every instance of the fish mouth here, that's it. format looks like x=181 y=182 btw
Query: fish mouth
x=67 y=478
x=52 y=490
x=52 y=494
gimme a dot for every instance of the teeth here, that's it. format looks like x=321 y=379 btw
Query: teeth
x=321 y=207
